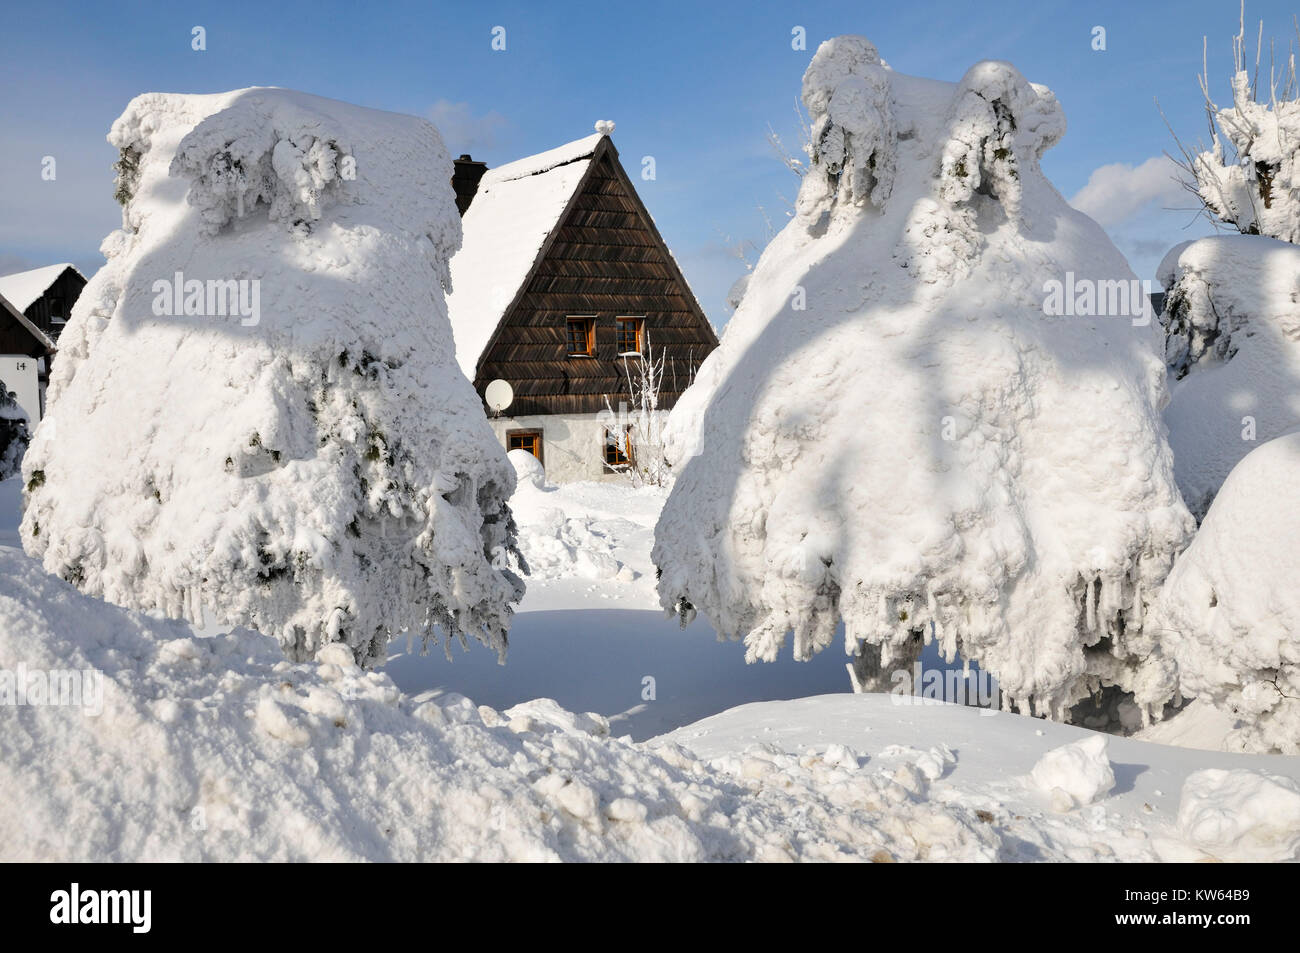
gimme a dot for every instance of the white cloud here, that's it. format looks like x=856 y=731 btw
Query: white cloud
x=1117 y=192
x=462 y=131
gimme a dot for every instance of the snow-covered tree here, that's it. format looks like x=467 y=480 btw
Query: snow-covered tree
x=1249 y=176
x=259 y=413
x=1231 y=606
x=13 y=433
x=1233 y=323
x=900 y=431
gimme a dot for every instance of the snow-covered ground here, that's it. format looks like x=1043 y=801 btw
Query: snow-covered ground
x=983 y=761
x=589 y=632
x=212 y=746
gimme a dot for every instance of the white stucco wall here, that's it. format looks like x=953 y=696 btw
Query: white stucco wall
x=21 y=376
x=572 y=444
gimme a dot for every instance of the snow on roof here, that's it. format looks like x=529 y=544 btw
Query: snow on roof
x=25 y=287
x=516 y=207
x=545 y=161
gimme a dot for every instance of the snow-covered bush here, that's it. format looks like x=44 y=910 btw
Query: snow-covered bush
x=259 y=413
x=1249 y=177
x=1233 y=318
x=13 y=433
x=637 y=426
x=1230 y=608
x=896 y=434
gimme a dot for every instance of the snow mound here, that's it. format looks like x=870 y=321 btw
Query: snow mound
x=217 y=748
x=555 y=545
x=932 y=763
x=1233 y=318
x=1074 y=775
x=1241 y=815
x=895 y=434
x=1231 y=607
x=315 y=467
x=528 y=469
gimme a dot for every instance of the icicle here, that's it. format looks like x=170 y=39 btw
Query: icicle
x=1090 y=605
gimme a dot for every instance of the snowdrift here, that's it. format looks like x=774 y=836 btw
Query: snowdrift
x=555 y=545
x=1234 y=350
x=217 y=748
x=1231 y=607
x=256 y=412
x=896 y=434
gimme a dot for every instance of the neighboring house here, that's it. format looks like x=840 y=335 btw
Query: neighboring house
x=44 y=296
x=34 y=307
x=563 y=282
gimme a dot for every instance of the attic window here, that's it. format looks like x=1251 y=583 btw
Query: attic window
x=631 y=334
x=57 y=314
x=617 y=457
x=581 y=337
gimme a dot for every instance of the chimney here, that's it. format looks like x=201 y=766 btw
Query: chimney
x=465 y=181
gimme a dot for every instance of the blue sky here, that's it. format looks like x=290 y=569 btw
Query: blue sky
x=693 y=84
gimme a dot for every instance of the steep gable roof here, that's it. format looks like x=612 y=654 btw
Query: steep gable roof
x=43 y=340
x=515 y=210
x=603 y=257
x=580 y=242
x=23 y=288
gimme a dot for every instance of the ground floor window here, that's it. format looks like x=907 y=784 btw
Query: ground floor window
x=616 y=456
x=530 y=440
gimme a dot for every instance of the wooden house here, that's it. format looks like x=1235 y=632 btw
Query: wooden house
x=34 y=307
x=561 y=285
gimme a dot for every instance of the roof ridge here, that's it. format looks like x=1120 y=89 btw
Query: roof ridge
x=22 y=289
x=545 y=161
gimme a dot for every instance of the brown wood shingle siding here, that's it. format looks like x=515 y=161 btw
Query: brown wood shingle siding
x=605 y=259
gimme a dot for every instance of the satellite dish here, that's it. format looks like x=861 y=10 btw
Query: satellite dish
x=498 y=395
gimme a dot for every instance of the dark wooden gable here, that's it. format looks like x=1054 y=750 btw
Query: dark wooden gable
x=50 y=312
x=606 y=259
x=18 y=335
